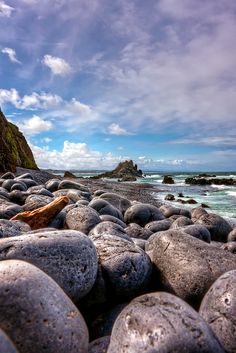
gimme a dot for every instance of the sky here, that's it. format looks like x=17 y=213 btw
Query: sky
x=91 y=83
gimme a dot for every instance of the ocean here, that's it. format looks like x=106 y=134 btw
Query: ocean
x=220 y=198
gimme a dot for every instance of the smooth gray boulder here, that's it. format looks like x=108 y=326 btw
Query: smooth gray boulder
x=8 y=209
x=82 y=218
x=198 y=231
x=181 y=222
x=187 y=265
x=163 y=323
x=158 y=226
x=116 y=200
x=69 y=184
x=36 y=313
x=12 y=228
x=142 y=214
x=100 y=345
x=169 y=211
x=106 y=217
x=104 y=207
x=69 y=257
x=218 y=308
x=134 y=230
x=109 y=228
x=126 y=267
x=197 y=212
x=217 y=226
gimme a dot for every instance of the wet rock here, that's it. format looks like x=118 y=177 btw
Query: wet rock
x=188 y=266
x=6 y=346
x=232 y=235
x=8 y=183
x=158 y=226
x=109 y=228
x=181 y=222
x=217 y=226
x=142 y=214
x=100 y=345
x=125 y=266
x=134 y=230
x=104 y=207
x=69 y=257
x=161 y=322
x=218 y=309
x=113 y=219
x=42 y=216
x=82 y=218
x=116 y=200
x=35 y=312
x=12 y=228
x=169 y=197
x=167 y=179
x=19 y=186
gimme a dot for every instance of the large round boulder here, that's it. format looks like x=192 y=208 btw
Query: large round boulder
x=218 y=308
x=187 y=265
x=217 y=226
x=6 y=346
x=116 y=200
x=82 y=218
x=161 y=322
x=142 y=214
x=36 y=313
x=104 y=207
x=69 y=257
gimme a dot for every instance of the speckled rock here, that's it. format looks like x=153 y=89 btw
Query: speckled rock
x=232 y=235
x=116 y=200
x=100 y=345
x=181 y=222
x=107 y=217
x=158 y=226
x=134 y=230
x=69 y=257
x=35 y=312
x=42 y=216
x=142 y=214
x=125 y=266
x=218 y=308
x=109 y=228
x=160 y=322
x=188 y=266
x=197 y=213
x=217 y=226
x=12 y=228
x=6 y=346
x=82 y=218
x=35 y=201
x=104 y=207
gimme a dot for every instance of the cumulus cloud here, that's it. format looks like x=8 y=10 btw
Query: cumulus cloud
x=35 y=125
x=11 y=54
x=5 y=10
x=115 y=129
x=58 y=66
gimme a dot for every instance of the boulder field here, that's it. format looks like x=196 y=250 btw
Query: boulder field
x=96 y=272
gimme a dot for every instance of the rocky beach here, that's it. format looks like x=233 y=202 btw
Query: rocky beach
x=91 y=265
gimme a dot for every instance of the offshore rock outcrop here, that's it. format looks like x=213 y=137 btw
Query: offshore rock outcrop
x=14 y=149
x=125 y=171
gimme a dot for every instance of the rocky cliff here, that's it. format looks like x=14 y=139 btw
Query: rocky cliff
x=126 y=171
x=14 y=149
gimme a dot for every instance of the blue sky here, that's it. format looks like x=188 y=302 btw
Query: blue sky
x=94 y=82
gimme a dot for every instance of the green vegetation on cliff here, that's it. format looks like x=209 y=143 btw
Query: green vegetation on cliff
x=14 y=149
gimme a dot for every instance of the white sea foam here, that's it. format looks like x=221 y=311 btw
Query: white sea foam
x=231 y=193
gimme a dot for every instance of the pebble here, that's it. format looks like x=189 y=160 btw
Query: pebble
x=161 y=322
x=218 y=309
x=36 y=313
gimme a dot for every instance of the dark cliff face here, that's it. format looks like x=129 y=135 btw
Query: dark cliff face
x=14 y=149
x=124 y=170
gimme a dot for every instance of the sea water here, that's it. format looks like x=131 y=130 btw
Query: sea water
x=220 y=198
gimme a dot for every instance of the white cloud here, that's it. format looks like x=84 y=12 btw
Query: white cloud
x=115 y=129
x=11 y=54
x=35 y=125
x=58 y=66
x=46 y=140
x=9 y=96
x=5 y=10
x=206 y=141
